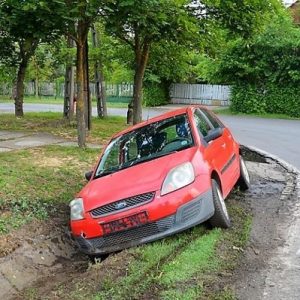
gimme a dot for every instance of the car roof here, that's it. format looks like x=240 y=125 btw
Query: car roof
x=163 y=116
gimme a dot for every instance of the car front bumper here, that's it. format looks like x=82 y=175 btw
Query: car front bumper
x=188 y=215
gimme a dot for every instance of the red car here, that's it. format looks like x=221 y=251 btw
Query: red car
x=158 y=178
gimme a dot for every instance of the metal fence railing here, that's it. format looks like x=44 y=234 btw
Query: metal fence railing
x=206 y=94
x=114 y=92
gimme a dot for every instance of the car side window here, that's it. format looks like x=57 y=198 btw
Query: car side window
x=202 y=125
x=215 y=123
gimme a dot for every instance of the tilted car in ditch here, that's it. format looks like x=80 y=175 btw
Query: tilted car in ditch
x=156 y=179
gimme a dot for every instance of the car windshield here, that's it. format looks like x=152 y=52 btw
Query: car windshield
x=146 y=143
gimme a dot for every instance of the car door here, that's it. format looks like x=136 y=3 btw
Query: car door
x=216 y=151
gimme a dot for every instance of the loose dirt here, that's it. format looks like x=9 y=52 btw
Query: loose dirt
x=40 y=261
x=270 y=267
x=38 y=252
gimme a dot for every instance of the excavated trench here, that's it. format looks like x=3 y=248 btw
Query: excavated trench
x=41 y=255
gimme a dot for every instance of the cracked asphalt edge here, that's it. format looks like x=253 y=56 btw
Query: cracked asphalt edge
x=283 y=274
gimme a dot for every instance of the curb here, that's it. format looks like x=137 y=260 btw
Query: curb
x=284 y=284
x=287 y=166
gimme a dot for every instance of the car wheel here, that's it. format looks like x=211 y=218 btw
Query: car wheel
x=244 y=181
x=221 y=216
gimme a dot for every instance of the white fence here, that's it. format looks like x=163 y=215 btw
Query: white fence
x=205 y=94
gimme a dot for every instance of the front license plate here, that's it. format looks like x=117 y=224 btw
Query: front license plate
x=125 y=223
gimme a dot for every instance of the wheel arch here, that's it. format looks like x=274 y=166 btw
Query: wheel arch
x=214 y=175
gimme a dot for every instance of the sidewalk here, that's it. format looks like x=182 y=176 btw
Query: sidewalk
x=14 y=140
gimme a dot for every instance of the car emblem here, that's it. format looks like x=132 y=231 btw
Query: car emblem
x=120 y=205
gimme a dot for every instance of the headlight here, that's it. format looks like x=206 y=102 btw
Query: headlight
x=178 y=177
x=76 y=207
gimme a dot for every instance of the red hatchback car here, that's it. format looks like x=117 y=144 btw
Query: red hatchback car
x=158 y=178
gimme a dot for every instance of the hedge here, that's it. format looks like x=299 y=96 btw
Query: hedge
x=271 y=99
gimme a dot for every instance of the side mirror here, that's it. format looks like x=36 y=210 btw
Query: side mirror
x=88 y=175
x=213 y=134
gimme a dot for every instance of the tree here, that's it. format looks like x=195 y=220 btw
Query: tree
x=69 y=94
x=81 y=14
x=99 y=75
x=272 y=56
x=24 y=24
x=140 y=24
x=264 y=70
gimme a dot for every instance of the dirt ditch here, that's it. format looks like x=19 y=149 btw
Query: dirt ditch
x=40 y=258
x=39 y=252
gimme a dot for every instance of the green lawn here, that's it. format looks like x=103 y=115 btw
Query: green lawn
x=36 y=183
x=102 y=129
x=32 y=188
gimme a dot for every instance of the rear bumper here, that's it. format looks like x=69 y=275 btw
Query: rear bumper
x=188 y=215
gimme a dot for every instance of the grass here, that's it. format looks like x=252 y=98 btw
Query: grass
x=33 y=188
x=184 y=266
x=148 y=267
x=102 y=129
x=35 y=183
x=59 y=100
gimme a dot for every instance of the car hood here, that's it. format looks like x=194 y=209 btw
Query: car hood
x=142 y=178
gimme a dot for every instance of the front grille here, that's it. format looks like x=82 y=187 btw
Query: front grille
x=133 y=235
x=122 y=204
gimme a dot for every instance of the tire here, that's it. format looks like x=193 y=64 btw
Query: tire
x=244 y=180
x=221 y=217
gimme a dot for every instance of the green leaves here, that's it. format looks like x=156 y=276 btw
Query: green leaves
x=274 y=99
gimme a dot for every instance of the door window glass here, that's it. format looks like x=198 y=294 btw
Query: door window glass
x=202 y=125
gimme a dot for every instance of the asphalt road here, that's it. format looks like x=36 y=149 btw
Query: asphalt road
x=279 y=137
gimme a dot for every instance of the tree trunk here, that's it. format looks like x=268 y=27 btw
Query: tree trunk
x=141 y=60
x=19 y=97
x=82 y=29
x=36 y=80
x=87 y=98
x=36 y=87
x=80 y=114
x=69 y=87
x=99 y=79
x=69 y=93
x=27 y=49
